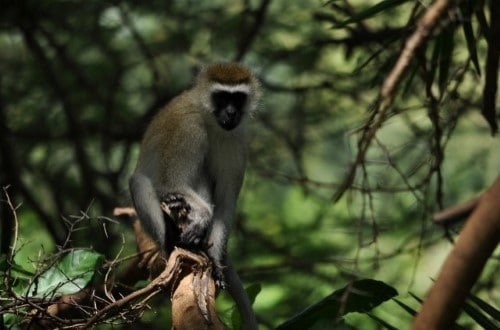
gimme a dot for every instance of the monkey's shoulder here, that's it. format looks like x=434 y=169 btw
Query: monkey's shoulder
x=181 y=112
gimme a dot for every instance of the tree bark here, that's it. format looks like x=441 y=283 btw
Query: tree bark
x=464 y=264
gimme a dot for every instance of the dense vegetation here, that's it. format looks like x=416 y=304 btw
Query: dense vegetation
x=80 y=80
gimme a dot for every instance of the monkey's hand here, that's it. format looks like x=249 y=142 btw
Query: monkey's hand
x=177 y=205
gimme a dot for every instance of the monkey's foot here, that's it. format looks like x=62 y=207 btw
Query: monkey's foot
x=179 y=208
x=219 y=278
x=193 y=235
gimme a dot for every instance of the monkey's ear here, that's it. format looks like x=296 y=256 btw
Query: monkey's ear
x=196 y=69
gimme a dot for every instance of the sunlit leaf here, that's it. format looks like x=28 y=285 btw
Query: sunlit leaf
x=71 y=274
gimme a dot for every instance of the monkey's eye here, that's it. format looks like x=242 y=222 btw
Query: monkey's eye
x=222 y=99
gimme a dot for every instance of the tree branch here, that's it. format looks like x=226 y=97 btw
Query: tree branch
x=464 y=264
x=424 y=30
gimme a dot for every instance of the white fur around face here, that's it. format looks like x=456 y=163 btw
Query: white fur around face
x=244 y=88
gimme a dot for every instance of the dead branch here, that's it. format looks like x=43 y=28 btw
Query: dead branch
x=425 y=27
x=464 y=264
x=189 y=309
x=455 y=213
x=424 y=30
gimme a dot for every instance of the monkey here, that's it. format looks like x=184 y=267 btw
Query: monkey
x=193 y=158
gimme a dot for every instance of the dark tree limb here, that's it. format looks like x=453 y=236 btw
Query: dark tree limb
x=491 y=70
x=258 y=20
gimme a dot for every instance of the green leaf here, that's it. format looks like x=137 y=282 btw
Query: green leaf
x=372 y=11
x=469 y=35
x=253 y=290
x=12 y=320
x=360 y=296
x=407 y=308
x=434 y=60
x=71 y=274
x=446 y=55
x=487 y=308
x=417 y=298
x=479 y=317
x=420 y=300
x=411 y=75
x=381 y=322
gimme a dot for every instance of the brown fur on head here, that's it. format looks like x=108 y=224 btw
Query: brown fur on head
x=228 y=73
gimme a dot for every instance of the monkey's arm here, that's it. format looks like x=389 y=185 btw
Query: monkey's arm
x=147 y=206
x=172 y=163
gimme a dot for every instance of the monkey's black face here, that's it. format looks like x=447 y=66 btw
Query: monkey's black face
x=228 y=108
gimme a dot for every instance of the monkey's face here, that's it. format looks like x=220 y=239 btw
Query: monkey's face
x=229 y=107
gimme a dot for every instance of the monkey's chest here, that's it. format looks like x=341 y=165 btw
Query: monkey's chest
x=226 y=166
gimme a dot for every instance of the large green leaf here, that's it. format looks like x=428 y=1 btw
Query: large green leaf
x=71 y=274
x=359 y=296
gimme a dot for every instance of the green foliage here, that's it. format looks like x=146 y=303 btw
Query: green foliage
x=68 y=275
x=359 y=296
x=479 y=314
x=81 y=79
x=380 y=7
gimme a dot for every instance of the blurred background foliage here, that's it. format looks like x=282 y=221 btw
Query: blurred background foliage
x=80 y=80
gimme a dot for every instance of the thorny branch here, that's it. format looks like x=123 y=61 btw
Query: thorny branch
x=186 y=278
x=424 y=30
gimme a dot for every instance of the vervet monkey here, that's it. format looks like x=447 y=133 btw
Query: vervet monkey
x=193 y=158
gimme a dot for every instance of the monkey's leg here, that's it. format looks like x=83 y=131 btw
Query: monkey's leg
x=217 y=242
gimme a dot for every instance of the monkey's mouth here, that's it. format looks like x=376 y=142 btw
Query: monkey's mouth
x=228 y=119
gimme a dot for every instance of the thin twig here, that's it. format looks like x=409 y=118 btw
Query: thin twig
x=12 y=251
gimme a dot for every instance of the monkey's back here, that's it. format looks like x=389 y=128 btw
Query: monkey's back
x=175 y=140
